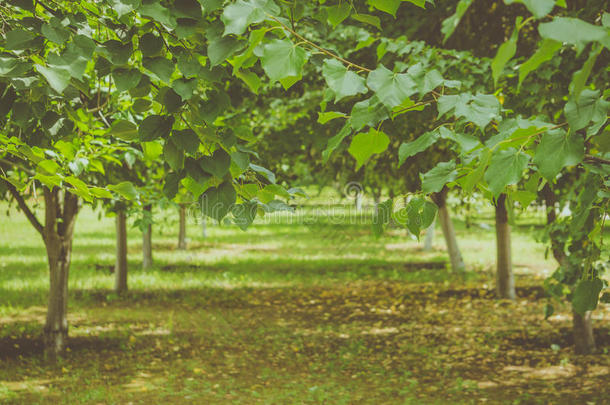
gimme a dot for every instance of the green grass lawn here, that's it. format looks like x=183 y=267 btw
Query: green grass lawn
x=289 y=312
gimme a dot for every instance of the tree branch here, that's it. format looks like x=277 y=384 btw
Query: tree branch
x=24 y=207
x=596 y=159
x=318 y=47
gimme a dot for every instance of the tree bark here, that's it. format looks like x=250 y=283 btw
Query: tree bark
x=505 y=282
x=582 y=327
x=147 y=259
x=440 y=199
x=120 y=268
x=182 y=230
x=584 y=341
x=429 y=238
x=57 y=235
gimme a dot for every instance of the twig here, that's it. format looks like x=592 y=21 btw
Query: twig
x=318 y=47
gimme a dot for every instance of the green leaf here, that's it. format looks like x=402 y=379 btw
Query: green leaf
x=173 y=155
x=506 y=51
x=18 y=39
x=366 y=144
x=154 y=10
x=216 y=202
x=539 y=8
x=251 y=79
x=126 y=79
x=218 y=164
x=387 y=6
x=187 y=140
x=416 y=216
x=505 y=168
x=586 y=295
x=589 y=107
x=222 y=48
x=58 y=79
x=557 y=150
x=118 y=52
x=422 y=143
x=195 y=171
x=239 y=15
x=572 y=30
x=80 y=188
x=152 y=150
x=367 y=19
x=189 y=66
x=342 y=81
x=281 y=58
x=100 y=192
x=336 y=14
x=265 y=172
x=391 y=88
x=162 y=68
x=171 y=185
x=125 y=189
x=184 y=87
x=466 y=142
x=49 y=166
x=55 y=32
x=382 y=216
x=336 y=140
x=545 y=53
x=580 y=77
x=480 y=109
x=155 y=126
x=367 y=112
x=450 y=24
x=125 y=130
x=150 y=45
x=525 y=198
x=324 y=117
x=244 y=214
x=435 y=179
x=171 y=101
x=123 y=7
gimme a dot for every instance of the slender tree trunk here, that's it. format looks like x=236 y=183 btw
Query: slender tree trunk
x=182 y=230
x=120 y=269
x=429 y=238
x=505 y=282
x=57 y=234
x=204 y=227
x=582 y=327
x=358 y=201
x=584 y=341
x=457 y=263
x=147 y=259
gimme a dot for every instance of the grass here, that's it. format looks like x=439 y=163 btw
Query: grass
x=314 y=311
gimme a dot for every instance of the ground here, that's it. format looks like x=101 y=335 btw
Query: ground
x=313 y=310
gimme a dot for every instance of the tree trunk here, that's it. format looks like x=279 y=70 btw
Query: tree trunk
x=120 y=269
x=429 y=238
x=505 y=282
x=204 y=227
x=358 y=201
x=147 y=259
x=440 y=199
x=57 y=235
x=584 y=341
x=582 y=328
x=182 y=230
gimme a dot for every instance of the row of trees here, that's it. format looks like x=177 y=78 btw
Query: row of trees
x=124 y=100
